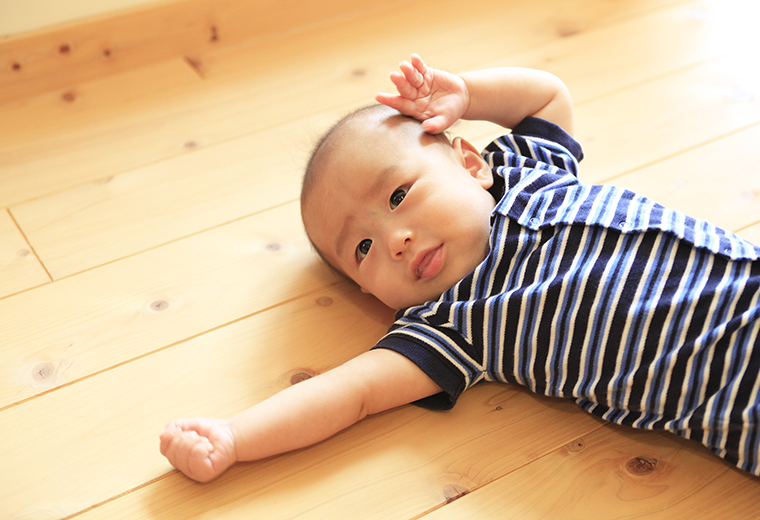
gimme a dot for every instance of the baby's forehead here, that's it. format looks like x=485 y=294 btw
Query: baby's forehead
x=382 y=137
x=379 y=127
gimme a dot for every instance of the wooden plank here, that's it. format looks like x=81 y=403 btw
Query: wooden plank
x=105 y=220
x=717 y=182
x=614 y=56
x=19 y=266
x=36 y=14
x=50 y=59
x=68 y=330
x=637 y=127
x=92 y=131
x=316 y=67
x=99 y=436
x=751 y=233
x=616 y=473
x=97 y=129
x=453 y=38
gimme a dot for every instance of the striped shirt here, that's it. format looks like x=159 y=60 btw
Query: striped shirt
x=644 y=316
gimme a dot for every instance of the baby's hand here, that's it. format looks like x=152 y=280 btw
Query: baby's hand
x=202 y=449
x=435 y=97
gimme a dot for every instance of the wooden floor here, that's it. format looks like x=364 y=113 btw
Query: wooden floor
x=153 y=266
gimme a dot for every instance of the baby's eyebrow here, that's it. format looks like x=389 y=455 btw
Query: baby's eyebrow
x=382 y=178
x=376 y=186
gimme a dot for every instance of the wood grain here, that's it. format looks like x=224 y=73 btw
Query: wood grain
x=92 y=131
x=63 y=332
x=611 y=57
x=751 y=233
x=19 y=265
x=85 y=131
x=108 y=219
x=158 y=185
x=45 y=60
x=634 y=128
x=615 y=473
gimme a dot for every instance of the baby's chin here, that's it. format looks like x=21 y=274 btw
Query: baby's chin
x=413 y=301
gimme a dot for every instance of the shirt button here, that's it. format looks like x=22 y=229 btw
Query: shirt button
x=622 y=224
x=534 y=221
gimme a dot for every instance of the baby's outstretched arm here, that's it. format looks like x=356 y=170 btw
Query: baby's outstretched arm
x=299 y=416
x=504 y=96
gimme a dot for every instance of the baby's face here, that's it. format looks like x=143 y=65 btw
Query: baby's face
x=405 y=224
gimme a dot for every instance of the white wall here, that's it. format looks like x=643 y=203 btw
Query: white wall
x=17 y=16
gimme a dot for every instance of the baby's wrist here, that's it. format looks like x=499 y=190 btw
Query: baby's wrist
x=229 y=425
x=466 y=89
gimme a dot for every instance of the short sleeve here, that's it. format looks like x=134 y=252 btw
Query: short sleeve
x=535 y=143
x=548 y=131
x=439 y=351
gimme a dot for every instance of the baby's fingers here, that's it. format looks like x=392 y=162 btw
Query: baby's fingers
x=404 y=105
x=419 y=64
x=404 y=87
x=188 y=452
x=175 y=444
x=167 y=438
x=437 y=124
x=412 y=74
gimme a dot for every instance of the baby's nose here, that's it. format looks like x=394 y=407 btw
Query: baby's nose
x=399 y=243
x=401 y=249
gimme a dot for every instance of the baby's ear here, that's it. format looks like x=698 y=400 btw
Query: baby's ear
x=473 y=162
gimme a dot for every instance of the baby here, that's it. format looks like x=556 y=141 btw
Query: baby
x=506 y=268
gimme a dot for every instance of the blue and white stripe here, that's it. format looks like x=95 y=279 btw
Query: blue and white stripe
x=644 y=316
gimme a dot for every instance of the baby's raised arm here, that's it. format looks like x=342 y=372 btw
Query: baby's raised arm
x=299 y=416
x=504 y=96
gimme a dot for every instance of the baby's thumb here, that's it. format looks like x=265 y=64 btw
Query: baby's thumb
x=436 y=125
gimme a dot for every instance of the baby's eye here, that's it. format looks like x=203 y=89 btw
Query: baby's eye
x=363 y=248
x=397 y=197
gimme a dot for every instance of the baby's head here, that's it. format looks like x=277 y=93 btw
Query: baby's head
x=403 y=213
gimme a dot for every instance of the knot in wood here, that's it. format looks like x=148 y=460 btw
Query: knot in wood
x=43 y=371
x=69 y=96
x=565 y=32
x=65 y=48
x=576 y=445
x=641 y=465
x=300 y=377
x=22 y=253
x=324 y=301
x=274 y=247
x=453 y=491
x=159 y=305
